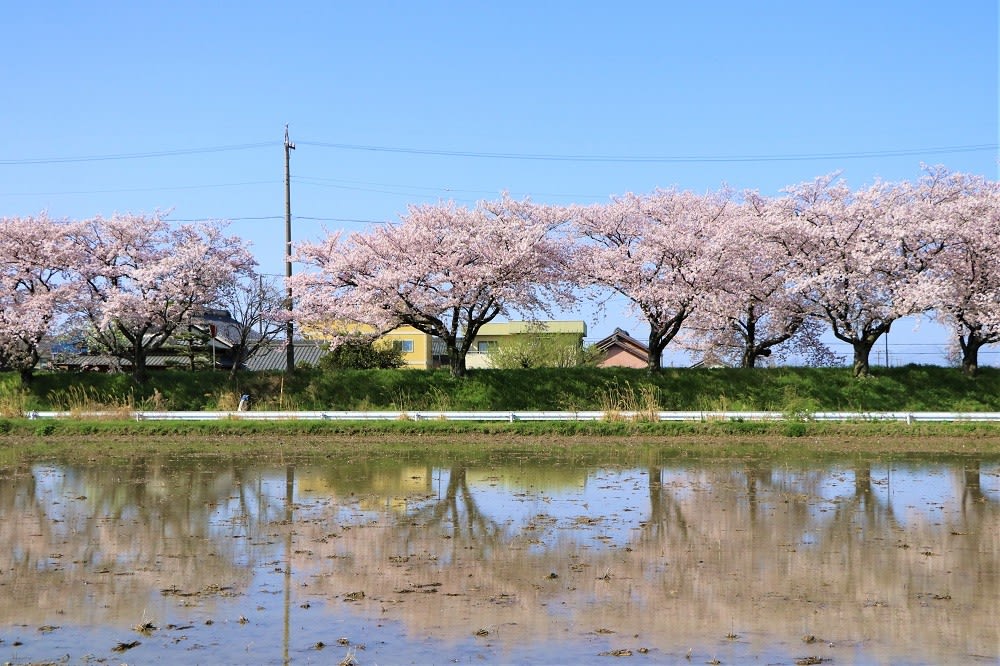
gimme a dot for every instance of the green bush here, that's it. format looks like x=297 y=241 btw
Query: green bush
x=359 y=353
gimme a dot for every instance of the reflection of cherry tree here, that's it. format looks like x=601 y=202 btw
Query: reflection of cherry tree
x=972 y=489
x=974 y=523
x=180 y=498
x=459 y=510
x=760 y=547
x=756 y=475
x=666 y=515
x=141 y=525
x=877 y=514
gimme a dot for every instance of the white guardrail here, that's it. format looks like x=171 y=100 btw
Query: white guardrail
x=512 y=416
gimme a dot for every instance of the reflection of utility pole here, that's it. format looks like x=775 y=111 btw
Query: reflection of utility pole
x=289 y=349
x=289 y=493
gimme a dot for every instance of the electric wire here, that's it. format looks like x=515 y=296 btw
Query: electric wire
x=791 y=157
x=134 y=156
x=551 y=157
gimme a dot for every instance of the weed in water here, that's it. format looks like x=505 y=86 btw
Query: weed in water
x=795 y=428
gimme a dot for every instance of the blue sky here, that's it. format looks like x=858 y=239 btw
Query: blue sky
x=181 y=106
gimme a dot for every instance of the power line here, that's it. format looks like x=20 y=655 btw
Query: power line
x=261 y=218
x=226 y=219
x=355 y=185
x=791 y=157
x=314 y=181
x=901 y=152
x=340 y=219
x=355 y=188
x=134 y=156
x=140 y=189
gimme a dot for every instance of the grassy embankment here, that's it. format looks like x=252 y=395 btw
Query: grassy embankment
x=795 y=392
x=789 y=390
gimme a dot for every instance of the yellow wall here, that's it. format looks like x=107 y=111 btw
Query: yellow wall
x=493 y=335
x=419 y=357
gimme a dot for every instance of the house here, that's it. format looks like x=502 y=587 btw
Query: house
x=621 y=350
x=415 y=347
x=494 y=335
x=205 y=341
x=273 y=356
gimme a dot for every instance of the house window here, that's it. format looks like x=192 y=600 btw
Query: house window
x=405 y=346
x=485 y=346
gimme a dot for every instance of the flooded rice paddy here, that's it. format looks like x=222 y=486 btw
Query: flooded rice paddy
x=519 y=559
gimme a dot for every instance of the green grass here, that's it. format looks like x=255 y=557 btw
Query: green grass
x=791 y=391
x=24 y=440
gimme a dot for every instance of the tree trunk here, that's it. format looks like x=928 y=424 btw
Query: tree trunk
x=749 y=331
x=862 y=350
x=660 y=334
x=139 y=375
x=654 y=356
x=658 y=341
x=236 y=354
x=27 y=370
x=456 y=360
x=970 y=354
x=863 y=344
x=861 y=353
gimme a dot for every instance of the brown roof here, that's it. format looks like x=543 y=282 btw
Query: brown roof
x=624 y=341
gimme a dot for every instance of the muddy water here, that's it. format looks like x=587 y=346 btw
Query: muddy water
x=319 y=561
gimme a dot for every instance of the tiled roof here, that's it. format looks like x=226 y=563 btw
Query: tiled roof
x=624 y=340
x=274 y=356
x=269 y=357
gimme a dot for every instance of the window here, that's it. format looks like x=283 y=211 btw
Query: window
x=485 y=346
x=405 y=346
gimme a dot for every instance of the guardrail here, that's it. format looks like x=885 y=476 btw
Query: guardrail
x=512 y=416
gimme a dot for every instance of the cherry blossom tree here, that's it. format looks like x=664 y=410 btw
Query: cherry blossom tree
x=858 y=257
x=747 y=312
x=254 y=303
x=653 y=250
x=964 y=291
x=142 y=278
x=36 y=254
x=444 y=270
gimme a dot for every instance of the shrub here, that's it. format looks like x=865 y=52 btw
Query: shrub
x=360 y=353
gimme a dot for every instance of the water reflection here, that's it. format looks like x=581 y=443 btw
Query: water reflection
x=525 y=560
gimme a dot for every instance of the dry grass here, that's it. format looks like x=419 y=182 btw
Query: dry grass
x=227 y=401
x=623 y=403
x=81 y=401
x=13 y=403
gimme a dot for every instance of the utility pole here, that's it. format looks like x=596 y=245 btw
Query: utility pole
x=289 y=347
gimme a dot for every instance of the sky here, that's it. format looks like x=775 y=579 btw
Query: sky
x=181 y=107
